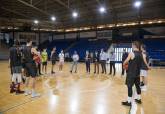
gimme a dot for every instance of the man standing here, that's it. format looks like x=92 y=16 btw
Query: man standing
x=30 y=67
x=96 y=62
x=112 y=64
x=53 y=58
x=88 y=62
x=16 y=66
x=75 y=58
x=103 y=59
x=124 y=56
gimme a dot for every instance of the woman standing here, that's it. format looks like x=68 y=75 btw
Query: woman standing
x=61 y=60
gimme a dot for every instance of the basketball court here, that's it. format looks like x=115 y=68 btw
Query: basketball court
x=65 y=93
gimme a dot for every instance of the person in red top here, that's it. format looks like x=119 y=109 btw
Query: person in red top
x=37 y=59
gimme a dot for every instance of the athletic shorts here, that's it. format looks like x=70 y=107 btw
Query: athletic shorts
x=17 y=69
x=143 y=73
x=53 y=62
x=31 y=69
x=16 y=77
x=44 y=63
x=130 y=81
x=23 y=65
x=61 y=62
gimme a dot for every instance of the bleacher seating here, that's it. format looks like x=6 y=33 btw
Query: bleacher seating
x=156 y=48
x=80 y=46
x=156 y=51
x=88 y=44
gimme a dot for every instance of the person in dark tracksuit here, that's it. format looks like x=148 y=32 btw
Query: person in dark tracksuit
x=134 y=61
x=16 y=66
x=87 y=61
x=53 y=58
x=112 y=64
x=124 y=56
x=96 y=58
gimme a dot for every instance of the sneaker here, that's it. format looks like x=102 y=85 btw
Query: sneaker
x=138 y=101
x=27 y=92
x=126 y=103
x=141 y=84
x=12 y=90
x=35 y=95
x=53 y=72
x=144 y=88
x=19 y=92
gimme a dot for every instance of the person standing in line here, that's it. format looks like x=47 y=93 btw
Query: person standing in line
x=37 y=59
x=96 y=58
x=134 y=61
x=39 y=62
x=53 y=58
x=124 y=56
x=144 y=68
x=87 y=61
x=61 y=60
x=103 y=59
x=112 y=63
x=75 y=58
x=31 y=69
x=44 y=56
x=16 y=65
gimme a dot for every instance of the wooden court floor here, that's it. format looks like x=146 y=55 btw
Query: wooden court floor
x=81 y=93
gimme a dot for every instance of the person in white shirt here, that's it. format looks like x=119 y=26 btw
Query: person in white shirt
x=103 y=59
x=112 y=63
x=61 y=60
x=75 y=59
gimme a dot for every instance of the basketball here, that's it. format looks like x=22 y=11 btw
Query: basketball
x=125 y=66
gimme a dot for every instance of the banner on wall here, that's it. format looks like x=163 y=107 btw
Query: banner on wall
x=87 y=34
x=58 y=36
x=71 y=36
x=23 y=36
x=105 y=34
x=154 y=36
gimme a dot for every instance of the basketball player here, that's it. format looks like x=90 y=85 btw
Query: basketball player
x=61 y=60
x=87 y=62
x=30 y=67
x=96 y=58
x=37 y=59
x=16 y=65
x=44 y=57
x=103 y=59
x=144 y=68
x=134 y=61
x=75 y=58
x=53 y=58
